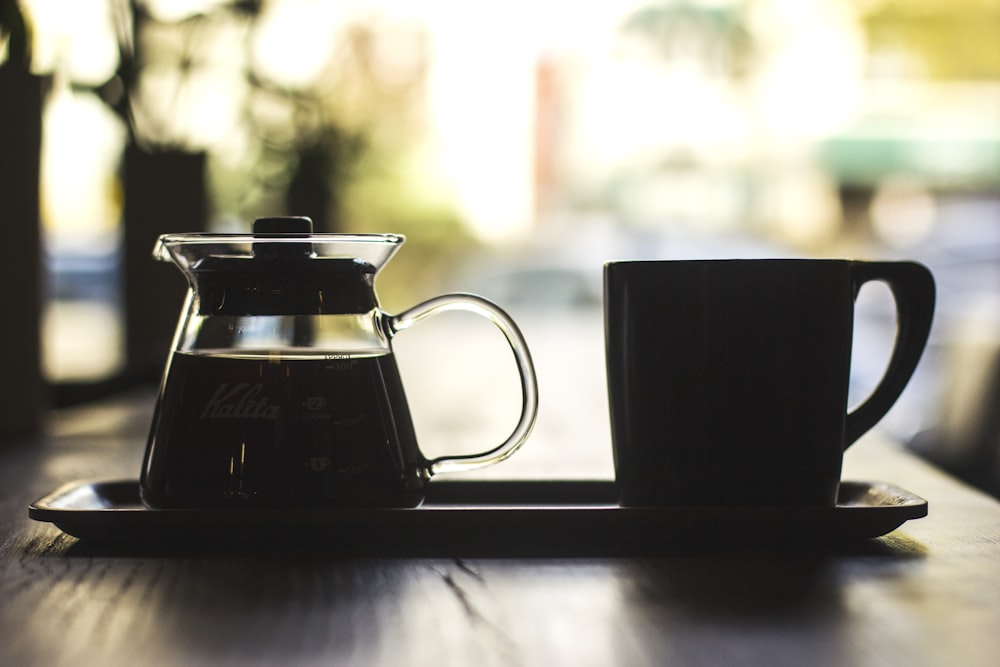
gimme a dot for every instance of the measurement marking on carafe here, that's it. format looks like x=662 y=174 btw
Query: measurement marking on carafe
x=340 y=363
x=318 y=463
x=314 y=403
x=351 y=420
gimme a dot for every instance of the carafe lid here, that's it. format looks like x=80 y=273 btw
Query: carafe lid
x=277 y=244
x=280 y=268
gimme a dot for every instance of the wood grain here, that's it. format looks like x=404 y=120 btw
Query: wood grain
x=927 y=594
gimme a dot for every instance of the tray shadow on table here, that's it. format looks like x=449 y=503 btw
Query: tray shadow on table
x=897 y=546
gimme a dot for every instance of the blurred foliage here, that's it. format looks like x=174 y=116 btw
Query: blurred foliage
x=714 y=36
x=373 y=108
x=389 y=196
x=346 y=150
x=952 y=39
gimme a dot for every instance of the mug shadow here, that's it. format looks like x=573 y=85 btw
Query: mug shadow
x=753 y=588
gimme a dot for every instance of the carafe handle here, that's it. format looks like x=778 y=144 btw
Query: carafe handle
x=529 y=384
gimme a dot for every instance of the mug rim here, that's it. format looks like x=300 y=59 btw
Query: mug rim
x=730 y=260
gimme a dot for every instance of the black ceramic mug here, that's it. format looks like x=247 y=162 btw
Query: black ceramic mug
x=728 y=379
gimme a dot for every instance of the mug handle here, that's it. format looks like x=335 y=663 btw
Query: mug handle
x=912 y=287
x=529 y=383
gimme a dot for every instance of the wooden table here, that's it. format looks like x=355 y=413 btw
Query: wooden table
x=926 y=594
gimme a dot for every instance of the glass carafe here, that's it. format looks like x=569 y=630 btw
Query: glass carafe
x=281 y=387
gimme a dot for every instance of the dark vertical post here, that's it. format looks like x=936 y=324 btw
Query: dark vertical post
x=21 y=384
x=164 y=193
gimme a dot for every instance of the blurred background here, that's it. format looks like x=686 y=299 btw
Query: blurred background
x=518 y=146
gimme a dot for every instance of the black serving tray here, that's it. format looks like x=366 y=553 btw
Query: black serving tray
x=563 y=517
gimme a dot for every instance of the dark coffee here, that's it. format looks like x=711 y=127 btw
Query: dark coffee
x=265 y=430
x=728 y=379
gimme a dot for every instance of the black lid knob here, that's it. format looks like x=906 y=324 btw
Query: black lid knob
x=273 y=233
x=290 y=224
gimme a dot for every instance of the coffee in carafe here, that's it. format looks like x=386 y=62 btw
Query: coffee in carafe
x=260 y=426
